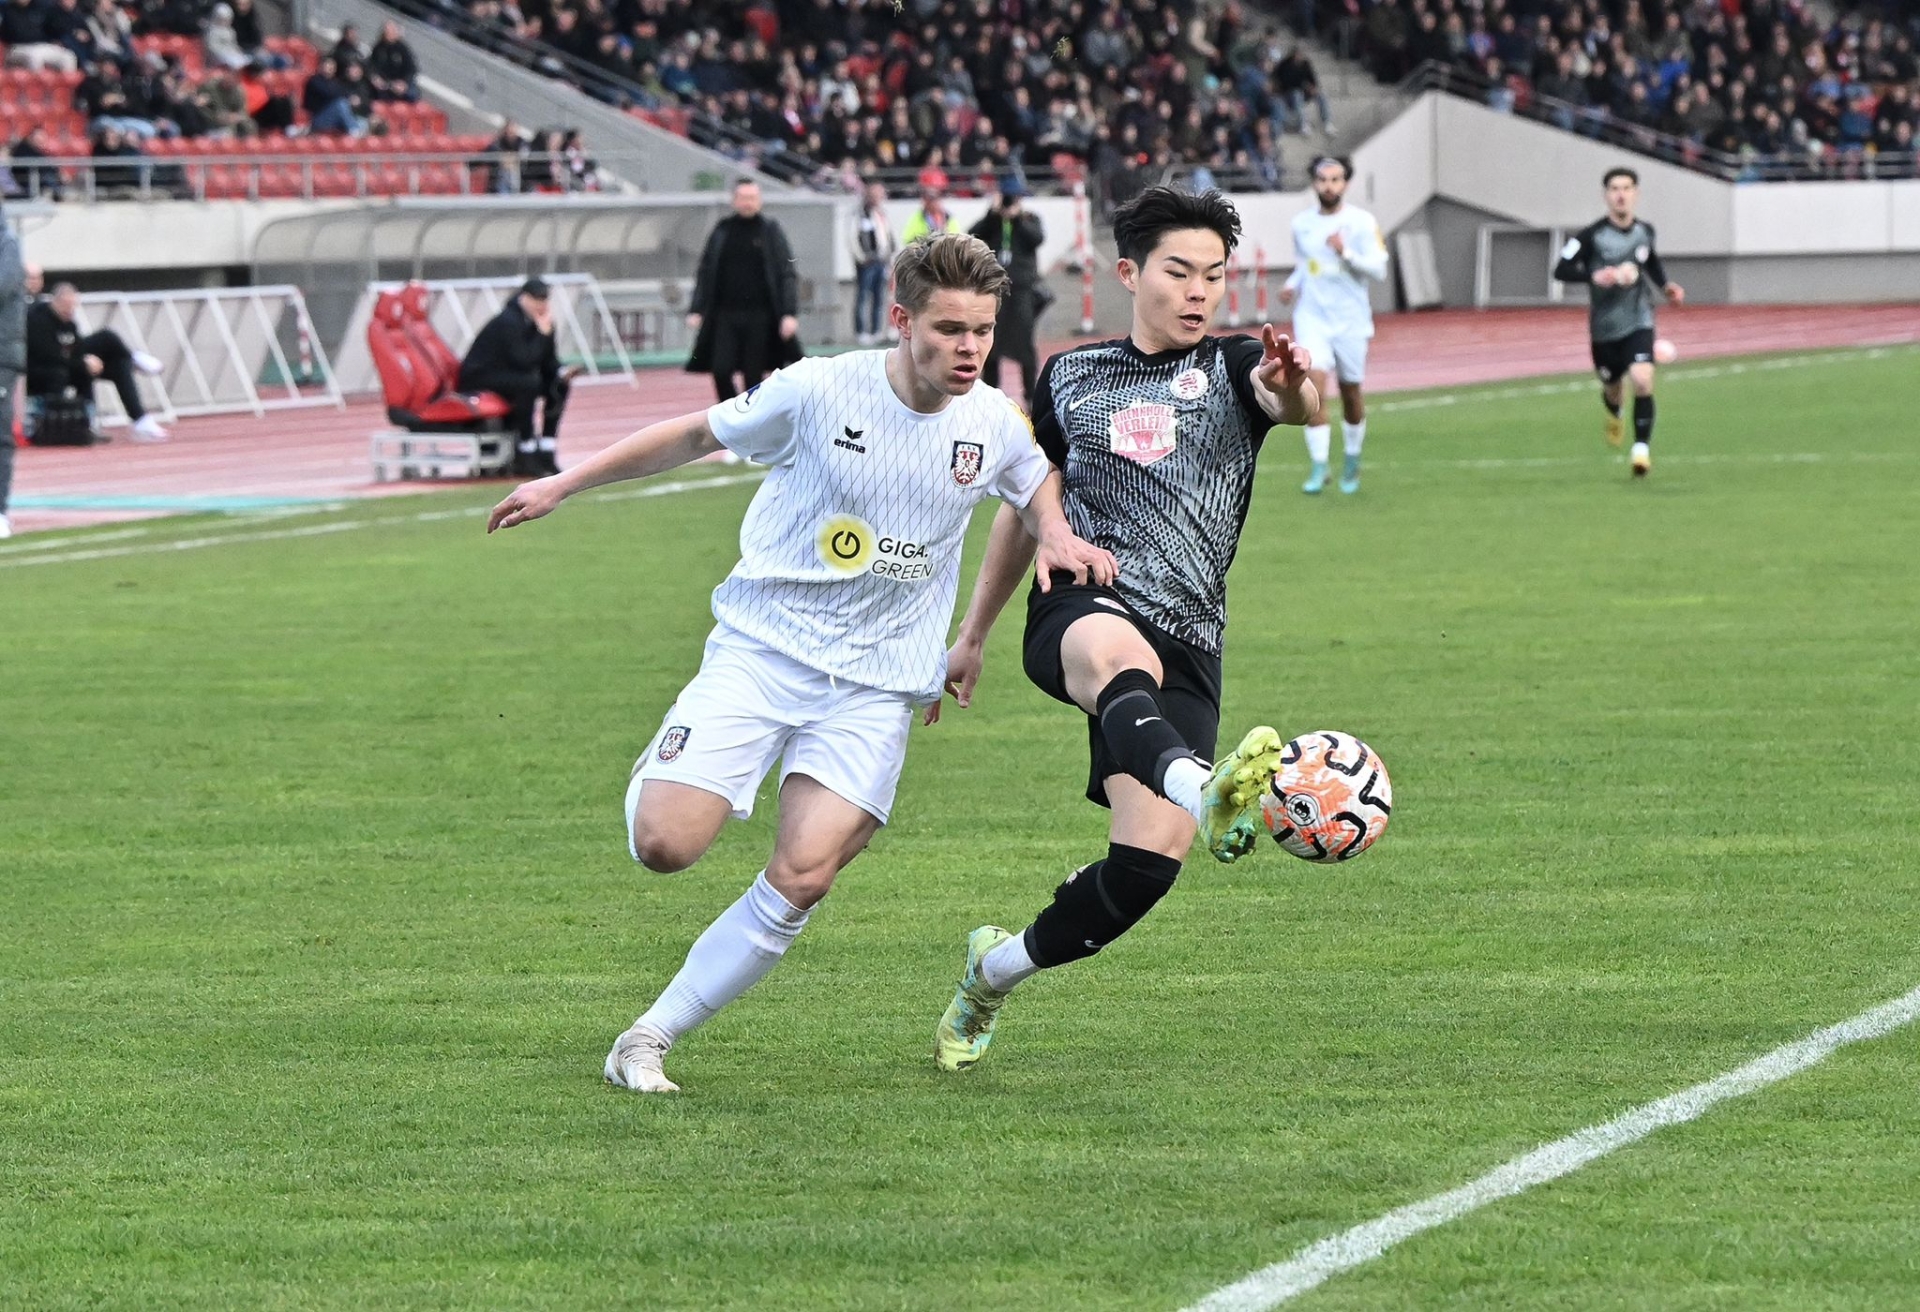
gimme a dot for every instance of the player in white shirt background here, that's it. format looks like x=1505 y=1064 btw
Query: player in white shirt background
x=1336 y=249
x=832 y=627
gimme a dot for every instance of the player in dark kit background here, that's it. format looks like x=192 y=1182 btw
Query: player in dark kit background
x=1155 y=436
x=1615 y=256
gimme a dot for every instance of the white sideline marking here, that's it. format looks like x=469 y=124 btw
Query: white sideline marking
x=1673 y=373
x=1319 y=1262
x=54 y=557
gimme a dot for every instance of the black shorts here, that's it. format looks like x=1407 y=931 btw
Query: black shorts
x=1611 y=360
x=1189 y=677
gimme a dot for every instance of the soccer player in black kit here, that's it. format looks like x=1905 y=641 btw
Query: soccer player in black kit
x=1616 y=258
x=1155 y=436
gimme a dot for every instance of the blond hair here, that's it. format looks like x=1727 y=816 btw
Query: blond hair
x=946 y=261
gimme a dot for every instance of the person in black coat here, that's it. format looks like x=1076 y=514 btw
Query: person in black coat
x=514 y=357
x=63 y=364
x=746 y=299
x=1015 y=233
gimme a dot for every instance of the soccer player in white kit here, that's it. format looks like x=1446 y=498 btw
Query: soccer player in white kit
x=1335 y=249
x=832 y=627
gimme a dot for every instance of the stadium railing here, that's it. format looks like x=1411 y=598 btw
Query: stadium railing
x=227 y=350
x=311 y=172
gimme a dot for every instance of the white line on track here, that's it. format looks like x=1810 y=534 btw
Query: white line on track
x=89 y=552
x=1319 y=1262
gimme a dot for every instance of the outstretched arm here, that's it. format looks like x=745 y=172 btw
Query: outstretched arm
x=655 y=448
x=1037 y=536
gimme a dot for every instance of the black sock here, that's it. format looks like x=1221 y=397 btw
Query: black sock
x=1613 y=407
x=1643 y=419
x=1099 y=903
x=1138 y=734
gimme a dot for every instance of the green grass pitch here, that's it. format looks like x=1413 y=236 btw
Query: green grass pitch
x=316 y=919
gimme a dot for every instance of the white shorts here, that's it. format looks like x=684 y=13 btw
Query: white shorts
x=1345 y=354
x=749 y=705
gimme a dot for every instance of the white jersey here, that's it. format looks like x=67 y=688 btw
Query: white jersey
x=850 y=552
x=1332 y=287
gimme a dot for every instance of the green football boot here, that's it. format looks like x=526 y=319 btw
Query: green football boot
x=1233 y=794
x=965 y=1031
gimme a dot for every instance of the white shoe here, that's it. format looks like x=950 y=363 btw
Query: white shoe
x=634 y=1062
x=147 y=429
x=1642 y=459
x=147 y=364
x=6 y=527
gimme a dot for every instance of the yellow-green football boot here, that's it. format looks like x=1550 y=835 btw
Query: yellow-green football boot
x=967 y=1028
x=1232 y=795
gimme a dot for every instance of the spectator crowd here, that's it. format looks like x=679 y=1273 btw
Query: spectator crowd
x=946 y=91
x=211 y=71
x=1768 y=84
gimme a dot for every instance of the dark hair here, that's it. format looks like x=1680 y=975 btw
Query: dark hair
x=1620 y=171
x=739 y=182
x=1346 y=166
x=1139 y=224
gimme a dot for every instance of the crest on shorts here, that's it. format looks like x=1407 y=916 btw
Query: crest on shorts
x=967 y=458
x=1190 y=386
x=673 y=742
x=1144 y=432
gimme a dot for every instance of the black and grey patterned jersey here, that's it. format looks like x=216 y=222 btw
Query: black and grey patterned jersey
x=1156 y=454
x=1617 y=310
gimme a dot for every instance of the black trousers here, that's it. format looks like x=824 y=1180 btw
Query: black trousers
x=742 y=344
x=1013 y=340
x=116 y=368
x=525 y=398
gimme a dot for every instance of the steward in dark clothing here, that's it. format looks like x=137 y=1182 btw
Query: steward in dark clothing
x=57 y=355
x=514 y=357
x=746 y=299
x=1015 y=233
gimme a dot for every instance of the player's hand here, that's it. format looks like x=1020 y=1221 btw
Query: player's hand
x=1287 y=294
x=1068 y=551
x=964 y=661
x=94 y=365
x=693 y=322
x=1676 y=293
x=1337 y=244
x=1605 y=277
x=1284 y=369
x=788 y=327
x=528 y=501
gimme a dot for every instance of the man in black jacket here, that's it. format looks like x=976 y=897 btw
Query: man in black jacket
x=514 y=356
x=62 y=364
x=1015 y=233
x=746 y=300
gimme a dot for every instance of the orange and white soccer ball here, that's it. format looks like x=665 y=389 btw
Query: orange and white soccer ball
x=1331 y=799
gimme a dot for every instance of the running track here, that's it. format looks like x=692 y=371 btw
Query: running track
x=238 y=462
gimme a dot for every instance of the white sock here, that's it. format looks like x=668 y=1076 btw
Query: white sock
x=1008 y=964
x=733 y=954
x=1353 y=435
x=1319 y=440
x=549 y=444
x=1186 y=785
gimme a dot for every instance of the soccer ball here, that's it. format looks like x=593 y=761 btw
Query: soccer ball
x=1331 y=799
x=1664 y=351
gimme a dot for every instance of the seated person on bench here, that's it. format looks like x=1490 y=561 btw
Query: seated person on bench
x=514 y=357
x=63 y=364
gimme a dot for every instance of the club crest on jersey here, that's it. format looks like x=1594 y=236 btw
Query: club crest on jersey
x=1190 y=386
x=967 y=459
x=1640 y=253
x=673 y=742
x=1144 y=432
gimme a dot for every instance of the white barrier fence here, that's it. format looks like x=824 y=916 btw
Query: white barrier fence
x=585 y=331
x=228 y=350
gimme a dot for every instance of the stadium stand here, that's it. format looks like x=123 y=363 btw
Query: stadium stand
x=832 y=94
x=1747 y=89
x=183 y=119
